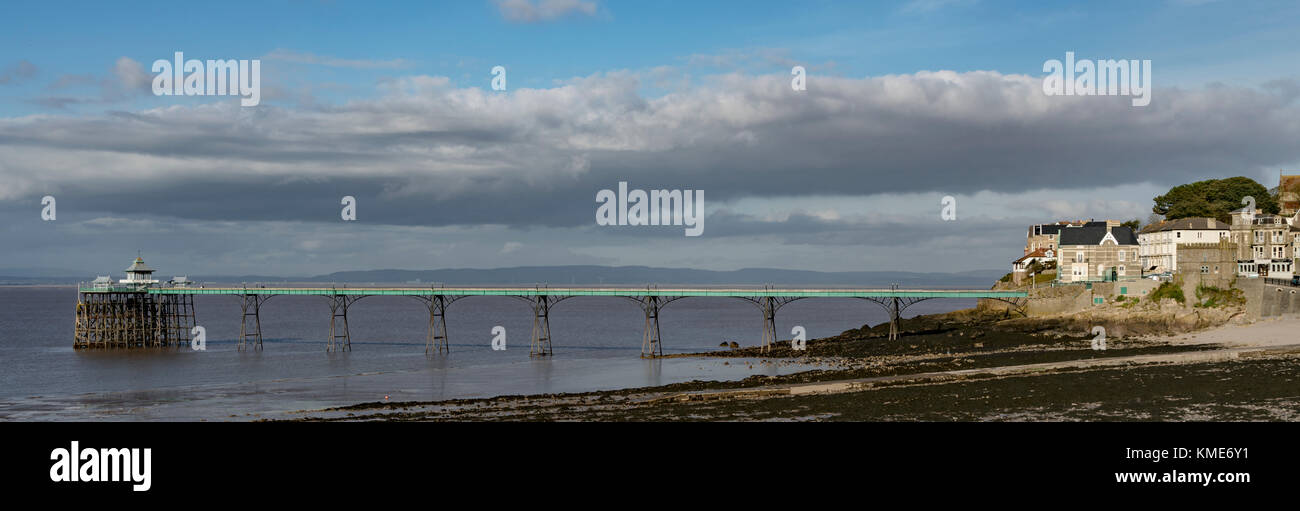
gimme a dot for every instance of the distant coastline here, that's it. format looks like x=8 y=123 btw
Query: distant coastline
x=561 y=275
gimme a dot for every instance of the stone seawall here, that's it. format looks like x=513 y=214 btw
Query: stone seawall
x=1275 y=301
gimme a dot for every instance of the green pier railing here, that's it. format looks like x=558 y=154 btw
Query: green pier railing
x=576 y=291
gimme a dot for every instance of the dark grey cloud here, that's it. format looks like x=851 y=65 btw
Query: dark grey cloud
x=426 y=153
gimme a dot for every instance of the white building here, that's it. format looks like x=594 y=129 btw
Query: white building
x=1158 y=242
x=139 y=275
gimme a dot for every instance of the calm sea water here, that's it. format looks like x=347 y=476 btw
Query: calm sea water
x=597 y=343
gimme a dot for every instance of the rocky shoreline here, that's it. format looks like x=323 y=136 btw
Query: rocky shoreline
x=954 y=342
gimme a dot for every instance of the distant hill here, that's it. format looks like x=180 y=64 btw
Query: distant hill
x=635 y=275
x=587 y=275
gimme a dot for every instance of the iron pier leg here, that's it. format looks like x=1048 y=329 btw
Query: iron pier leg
x=251 y=337
x=541 y=342
x=768 y=306
x=437 y=341
x=189 y=319
x=339 y=310
x=651 y=345
x=893 y=320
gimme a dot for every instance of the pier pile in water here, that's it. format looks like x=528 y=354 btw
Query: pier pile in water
x=132 y=319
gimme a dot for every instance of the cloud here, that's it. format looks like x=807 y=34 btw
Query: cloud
x=126 y=79
x=300 y=57
x=424 y=152
x=58 y=102
x=129 y=78
x=924 y=6
x=71 y=81
x=534 y=11
x=16 y=73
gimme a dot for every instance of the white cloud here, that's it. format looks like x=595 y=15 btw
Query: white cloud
x=533 y=11
x=131 y=75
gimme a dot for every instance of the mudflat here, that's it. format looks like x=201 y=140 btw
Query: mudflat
x=963 y=372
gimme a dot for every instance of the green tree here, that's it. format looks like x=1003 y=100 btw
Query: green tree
x=1132 y=224
x=1214 y=198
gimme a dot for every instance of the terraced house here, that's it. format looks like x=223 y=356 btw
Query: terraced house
x=1266 y=244
x=1158 y=243
x=1097 y=251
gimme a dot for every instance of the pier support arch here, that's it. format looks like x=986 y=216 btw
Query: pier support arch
x=768 y=305
x=340 y=339
x=437 y=341
x=651 y=339
x=250 y=335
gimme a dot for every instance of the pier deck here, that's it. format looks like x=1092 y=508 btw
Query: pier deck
x=650 y=298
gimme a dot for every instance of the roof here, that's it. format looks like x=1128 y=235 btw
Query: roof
x=1040 y=253
x=1187 y=224
x=1044 y=229
x=1156 y=227
x=1093 y=234
x=139 y=267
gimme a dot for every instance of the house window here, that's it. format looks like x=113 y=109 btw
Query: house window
x=1121 y=255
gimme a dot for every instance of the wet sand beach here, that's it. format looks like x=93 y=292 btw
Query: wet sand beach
x=1234 y=372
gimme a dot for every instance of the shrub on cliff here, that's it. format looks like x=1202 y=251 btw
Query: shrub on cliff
x=1169 y=290
x=1210 y=296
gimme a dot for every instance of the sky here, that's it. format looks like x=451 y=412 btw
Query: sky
x=392 y=103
